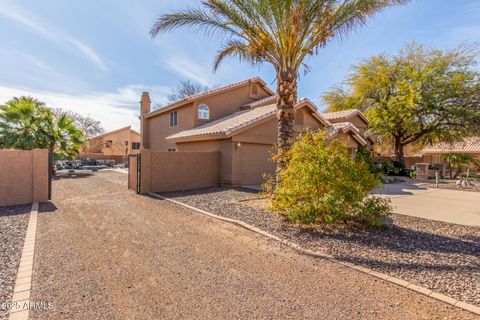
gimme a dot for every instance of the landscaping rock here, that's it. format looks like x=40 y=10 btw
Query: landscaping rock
x=441 y=256
x=13 y=226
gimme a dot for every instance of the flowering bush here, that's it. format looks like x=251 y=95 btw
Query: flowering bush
x=322 y=183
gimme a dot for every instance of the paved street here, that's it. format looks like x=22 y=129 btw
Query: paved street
x=106 y=253
x=461 y=207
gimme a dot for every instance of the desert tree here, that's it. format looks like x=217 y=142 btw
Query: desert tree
x=185 y=89
x=419 y=95
x=90 y=126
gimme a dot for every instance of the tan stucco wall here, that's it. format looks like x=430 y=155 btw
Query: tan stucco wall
x=226 y=149
x=219 y=105
x=358 y=122
x=158 y=128
x=227 y=103
x=174 y=171
x=255 y=161
x=23 y=176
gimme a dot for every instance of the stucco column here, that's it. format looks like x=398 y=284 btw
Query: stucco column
x=145 y=106
x=40 y=172
x=422 y=171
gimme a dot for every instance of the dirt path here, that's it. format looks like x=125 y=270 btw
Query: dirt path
x=106 y=253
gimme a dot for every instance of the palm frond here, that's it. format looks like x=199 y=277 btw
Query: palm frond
x=238 y=49
x=191 y=18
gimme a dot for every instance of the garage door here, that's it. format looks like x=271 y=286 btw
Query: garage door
x=255 y=161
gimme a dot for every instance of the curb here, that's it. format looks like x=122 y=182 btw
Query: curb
x=23 y=283
x=382 y=276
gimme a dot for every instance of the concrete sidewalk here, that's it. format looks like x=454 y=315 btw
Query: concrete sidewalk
x=460 y=207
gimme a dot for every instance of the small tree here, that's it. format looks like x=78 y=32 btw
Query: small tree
x=90 y=126
x=417 y=96
x=186 y=89
x=460 y=161
x=322 y=183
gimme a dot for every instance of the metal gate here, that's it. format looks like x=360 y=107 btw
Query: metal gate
x=134 y=172
x=51 y=165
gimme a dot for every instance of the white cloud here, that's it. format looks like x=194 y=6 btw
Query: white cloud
x=188 y=69
x=53 y=35
x=113 y=109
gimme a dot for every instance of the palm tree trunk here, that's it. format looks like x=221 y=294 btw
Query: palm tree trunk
x=459 y=170
x=286 y=100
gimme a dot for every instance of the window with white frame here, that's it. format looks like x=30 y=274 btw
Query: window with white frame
x=173 y=119
x=203 y=112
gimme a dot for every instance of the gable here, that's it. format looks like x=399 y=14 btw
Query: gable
x=257 y=89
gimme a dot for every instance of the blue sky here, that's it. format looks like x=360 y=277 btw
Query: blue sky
x=95 y=56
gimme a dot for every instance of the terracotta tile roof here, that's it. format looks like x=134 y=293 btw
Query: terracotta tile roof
x=345 y=127
x=468 y=145
x=344 y=115
x=226 y=125
x=264 y=101
x=208 y=93
x=114 y=131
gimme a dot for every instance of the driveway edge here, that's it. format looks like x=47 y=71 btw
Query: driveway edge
x=397 y=281
x=23 y=283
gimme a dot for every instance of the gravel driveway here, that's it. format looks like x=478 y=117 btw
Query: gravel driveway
x=441 y=256
x=13 y=226
x=103 y=252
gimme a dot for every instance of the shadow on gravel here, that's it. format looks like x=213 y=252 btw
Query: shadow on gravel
x=410 y=266
x=401 y=240
x=6 y=211
x=46 y=207
x=72 y=176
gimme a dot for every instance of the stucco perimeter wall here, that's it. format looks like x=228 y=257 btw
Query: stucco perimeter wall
x=175 y=171
x=23 y=176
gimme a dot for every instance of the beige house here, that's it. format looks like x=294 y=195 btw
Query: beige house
x=239 y=122
x=114 y=145
x=435 y=152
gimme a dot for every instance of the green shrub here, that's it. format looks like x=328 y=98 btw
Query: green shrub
x=322 y=183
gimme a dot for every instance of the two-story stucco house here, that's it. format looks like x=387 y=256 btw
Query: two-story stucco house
x=239 y=121
x=114 y=145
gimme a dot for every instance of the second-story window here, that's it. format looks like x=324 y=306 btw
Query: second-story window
x=203 y=112
x=173 y=119
x=135 y=145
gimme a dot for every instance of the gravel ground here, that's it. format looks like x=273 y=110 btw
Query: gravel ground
x=103 y=252
x=13 y=226
x=441 y=256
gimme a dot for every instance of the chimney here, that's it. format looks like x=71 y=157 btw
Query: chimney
x=145 y=103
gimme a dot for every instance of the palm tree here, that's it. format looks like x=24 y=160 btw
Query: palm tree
x=23 y=125
x=26 y=123
x=280 y=32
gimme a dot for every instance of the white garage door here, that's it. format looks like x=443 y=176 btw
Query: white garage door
x=255 y=161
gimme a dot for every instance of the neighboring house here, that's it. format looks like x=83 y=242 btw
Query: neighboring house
x=239 y=121
x=435 y=152
x=352 y=120
x=114 y=145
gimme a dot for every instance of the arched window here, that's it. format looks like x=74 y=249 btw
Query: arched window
x=203 y=112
